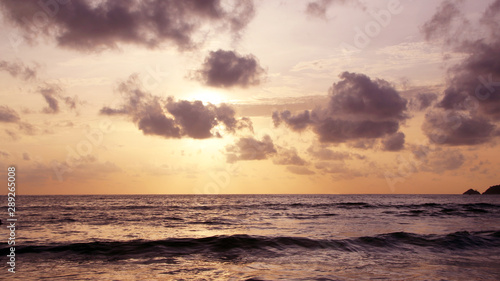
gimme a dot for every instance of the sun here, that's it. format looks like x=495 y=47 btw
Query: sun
x=206 y=96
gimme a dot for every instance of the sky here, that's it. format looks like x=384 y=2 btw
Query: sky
x=244 y=97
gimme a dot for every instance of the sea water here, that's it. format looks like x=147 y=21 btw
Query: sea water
x=254 y=237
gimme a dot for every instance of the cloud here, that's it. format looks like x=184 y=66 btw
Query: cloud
x=52 y=95
x=18 y=69
x=227 y=69
x=437 y=160
x=288 y=156
x=359 y=108
x=13 y=135
x=452 y=128
x=441 y=23
x=77 y=169
x=195 y=118
x=319 y=8
x=27 y=128
x=174 y=119
x=339 y=170
x=395 y=142
x=362 y=143
x=321 y=152
x=145 y=110
x=267 y=106
x=341 y=130
x=299 y=170
x=469 y=110
x=422 y=101
x=226 y=114
x=93 y=26
x=8 y=115
x=297 y=122
x=249 y=148
x=26 y=156
x=476 y=81
x=358 y=95
x=49 y=94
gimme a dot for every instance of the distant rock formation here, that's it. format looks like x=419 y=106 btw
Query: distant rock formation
x=472 y=192
x=493 y=190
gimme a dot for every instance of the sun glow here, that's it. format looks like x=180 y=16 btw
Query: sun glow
x=207 y=96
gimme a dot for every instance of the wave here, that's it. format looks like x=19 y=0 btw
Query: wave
x=479 y=207
x=241 y=244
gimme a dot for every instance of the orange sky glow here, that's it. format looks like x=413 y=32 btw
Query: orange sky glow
x=243 y=97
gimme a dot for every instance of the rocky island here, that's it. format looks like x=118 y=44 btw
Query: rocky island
x=472 y=192
x=493 y=190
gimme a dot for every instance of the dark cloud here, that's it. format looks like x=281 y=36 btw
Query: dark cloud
x=452 y=128
x=359 y=108
x=440 y=25
x=357 y=95
x=195 y=118
x=470 y=107
x=475 y=80
x=394 y=142
x=249 y=148
x=156 y=123
x=145 y=110
x=53 y=95
x=112 y=111
x=229 y=69
x=18 y=69
x=296 y=122
x=174 y=119
x=96 y=25
x=26 y=156
x=491 y=18
x=8 y=115
x=288 y=156
x=319 y=8
x=340 y=130
x=422 y=101
x=49 y=93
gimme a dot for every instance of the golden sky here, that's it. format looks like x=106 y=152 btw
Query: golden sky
x=182 y=97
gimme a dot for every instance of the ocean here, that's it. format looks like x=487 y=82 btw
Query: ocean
x=254 y=237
